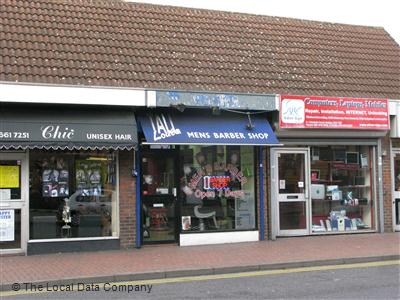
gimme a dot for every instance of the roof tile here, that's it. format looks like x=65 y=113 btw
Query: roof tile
x=163 y=47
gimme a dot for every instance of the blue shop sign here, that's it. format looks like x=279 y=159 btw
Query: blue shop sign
x=174 y=128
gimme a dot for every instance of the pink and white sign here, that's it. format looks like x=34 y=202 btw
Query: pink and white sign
x=333 y=113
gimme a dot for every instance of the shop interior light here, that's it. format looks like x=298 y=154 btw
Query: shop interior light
x=97 y=158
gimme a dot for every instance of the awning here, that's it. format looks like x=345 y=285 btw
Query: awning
x=204 y=128
x=66 y=127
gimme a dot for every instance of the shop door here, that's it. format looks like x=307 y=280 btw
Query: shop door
x=396 y=192
x=14 y=225
x=159 y=196
x=291 y=197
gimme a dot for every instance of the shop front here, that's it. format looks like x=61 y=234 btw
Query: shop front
x=395 y=161
x=59 y=179
x=327 y=178
x=199 y=175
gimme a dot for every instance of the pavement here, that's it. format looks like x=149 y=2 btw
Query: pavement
x=163 y=261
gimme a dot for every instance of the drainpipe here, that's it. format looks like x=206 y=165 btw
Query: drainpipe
x=261 y=176
x=380 y=188
x=138 y=200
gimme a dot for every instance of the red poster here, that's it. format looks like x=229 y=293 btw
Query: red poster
x=333 y=113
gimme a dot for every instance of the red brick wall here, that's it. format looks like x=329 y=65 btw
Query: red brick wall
x=127 y=200
x=387 y=184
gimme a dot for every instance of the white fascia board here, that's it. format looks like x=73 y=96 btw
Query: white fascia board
x=151 y=97
x=212 y=238
x=58 y=94
x=394 y=107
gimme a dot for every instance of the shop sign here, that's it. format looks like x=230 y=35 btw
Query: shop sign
x=205 y=128
x=216 y=182
x=321 y=112
x=66 y=133
x=67 y=127
x=7 y=222
x=221 y=100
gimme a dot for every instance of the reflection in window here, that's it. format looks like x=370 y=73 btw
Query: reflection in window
x=217 y=188
x=72 y=194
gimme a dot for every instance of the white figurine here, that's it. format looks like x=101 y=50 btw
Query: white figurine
x=66 y=214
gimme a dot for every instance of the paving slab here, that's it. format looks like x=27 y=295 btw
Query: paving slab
x=152 y=262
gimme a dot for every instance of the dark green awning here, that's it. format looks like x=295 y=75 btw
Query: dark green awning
x=65 y=127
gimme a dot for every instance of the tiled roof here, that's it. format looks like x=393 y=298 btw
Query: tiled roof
x=115 y=43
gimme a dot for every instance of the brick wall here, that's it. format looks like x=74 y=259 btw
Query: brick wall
x=127 y=200
x=387 y=184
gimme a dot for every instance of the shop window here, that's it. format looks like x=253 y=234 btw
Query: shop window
x=342 y=188
x=72 y=194
x=217 y=188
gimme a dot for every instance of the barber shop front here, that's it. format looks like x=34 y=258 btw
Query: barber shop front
x=199 y=175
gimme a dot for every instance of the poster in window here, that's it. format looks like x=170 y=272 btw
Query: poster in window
x=186 y=222
x=9 y=177
x=89 y=177
x=55 y=178
x=245 y=212
x=314 y=175
x=7 y=225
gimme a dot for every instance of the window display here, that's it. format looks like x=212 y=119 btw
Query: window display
x=72 y=194
x=341 y=188
x=217 y=188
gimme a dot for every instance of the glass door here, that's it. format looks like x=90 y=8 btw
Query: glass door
x=159 y=196
x=396 y=194
x=292 y=192
x=13 y=209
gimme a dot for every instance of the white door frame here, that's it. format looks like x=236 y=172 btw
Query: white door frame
x=276 y=197
x=395 y=194
x=23 y=203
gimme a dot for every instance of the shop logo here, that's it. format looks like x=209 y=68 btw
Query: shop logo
x=56 y=133
x=292 y=111
x=163 y=126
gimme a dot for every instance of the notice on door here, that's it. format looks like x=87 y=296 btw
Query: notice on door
x=7 y=222
x=9 y=177
x=282 y=184
x=5 y=194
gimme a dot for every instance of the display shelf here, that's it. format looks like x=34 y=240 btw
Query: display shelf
x=354 y=186
x=326 y=181
x=353 y=180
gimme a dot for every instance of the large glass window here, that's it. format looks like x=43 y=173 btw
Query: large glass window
x=342 y=188
x=217 y=188
x=72 y=194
